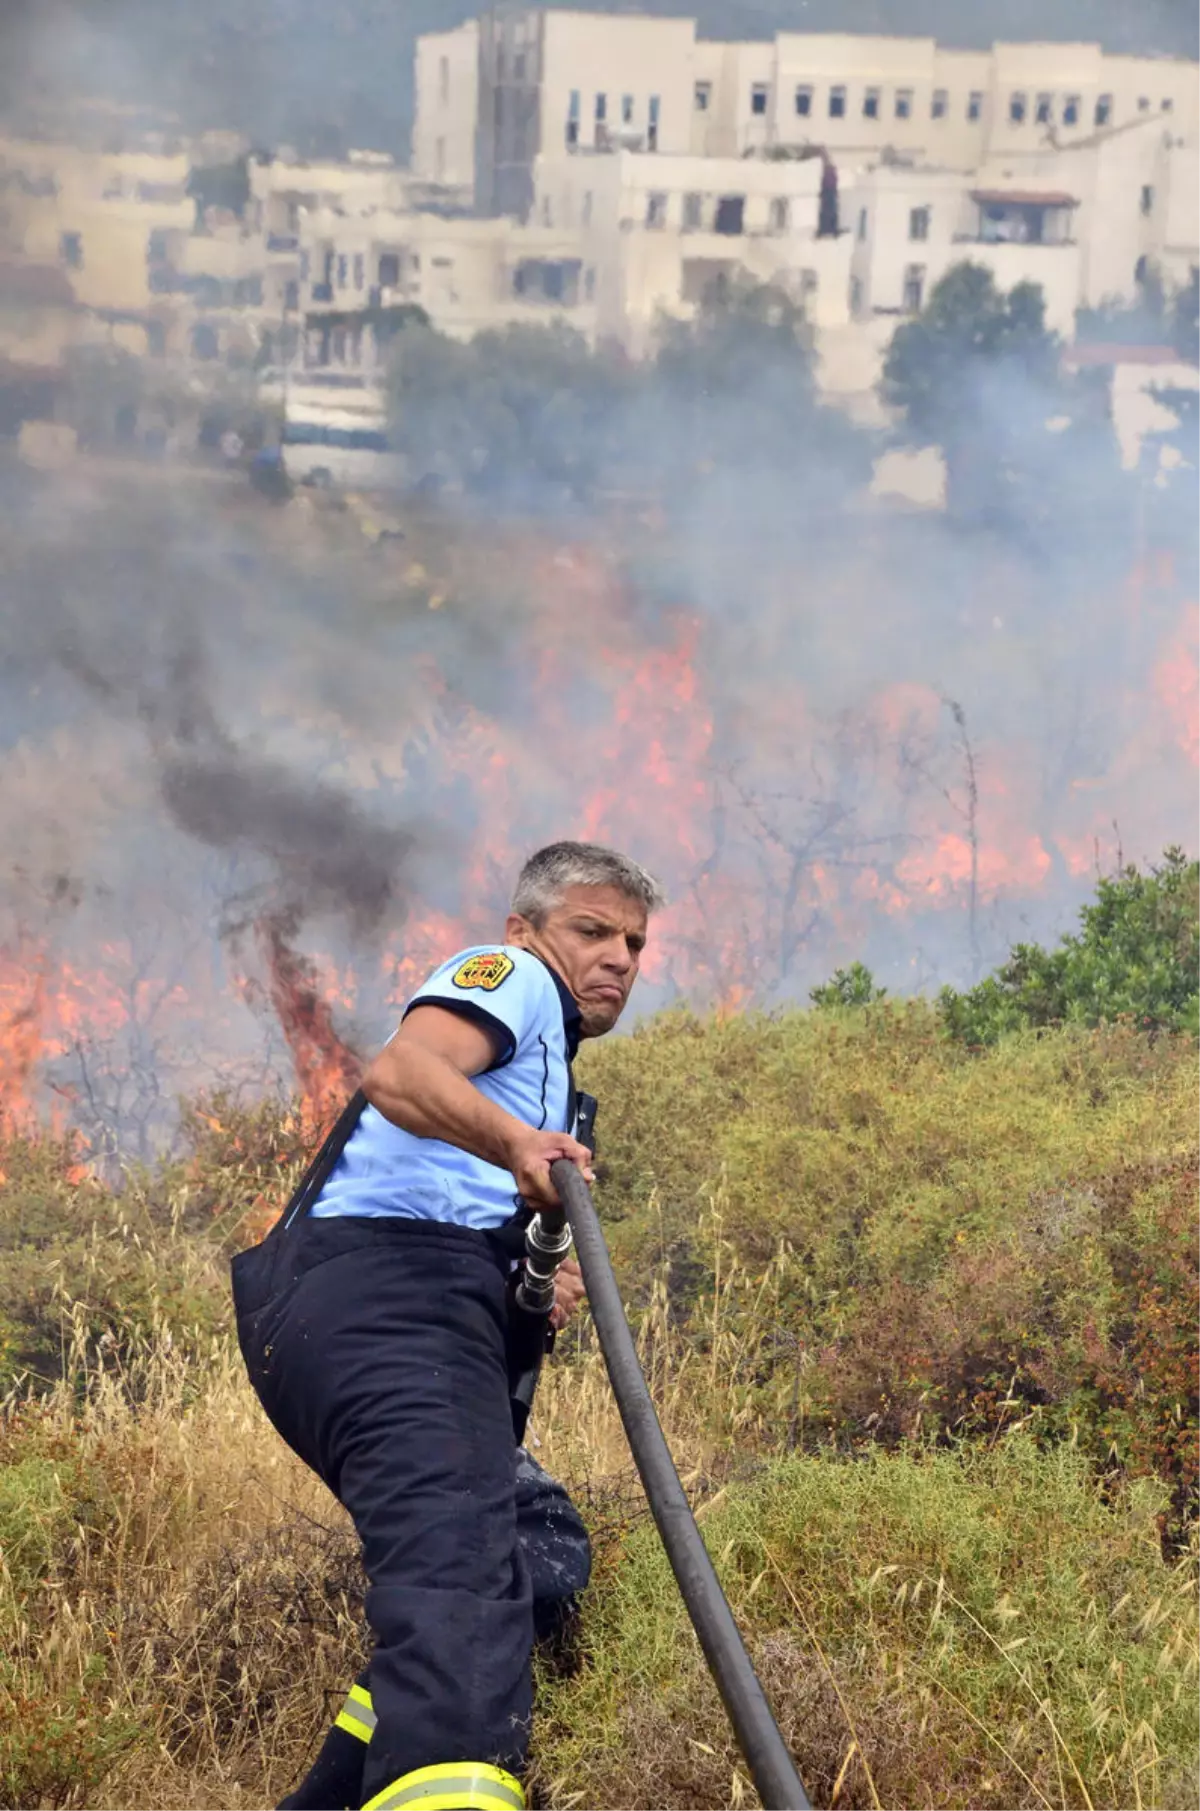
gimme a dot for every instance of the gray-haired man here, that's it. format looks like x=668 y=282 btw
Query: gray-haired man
x=375 y=1334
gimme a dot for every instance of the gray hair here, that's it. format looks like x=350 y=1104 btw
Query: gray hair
x=547 y=875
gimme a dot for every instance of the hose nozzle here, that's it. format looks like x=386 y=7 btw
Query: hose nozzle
x=547 y=1242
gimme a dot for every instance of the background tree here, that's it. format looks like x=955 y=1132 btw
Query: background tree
x=527 y=412
x=1185 y=319
x=976 y=373
x=1144 y=321
x=105 y=391
x=729 y=404
x=1029 y=448
x=734 y=401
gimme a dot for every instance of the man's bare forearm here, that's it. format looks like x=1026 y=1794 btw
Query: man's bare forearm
x=426 y=1095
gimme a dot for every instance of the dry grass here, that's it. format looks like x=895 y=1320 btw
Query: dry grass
x=179 y=1603
x=967 y=1604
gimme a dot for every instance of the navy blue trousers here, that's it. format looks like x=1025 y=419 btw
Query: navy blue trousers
x=377 y=1350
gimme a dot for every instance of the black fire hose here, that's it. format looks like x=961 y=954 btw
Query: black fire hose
x=771 y=1766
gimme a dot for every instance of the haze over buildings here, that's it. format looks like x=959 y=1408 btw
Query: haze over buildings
x=605 y=172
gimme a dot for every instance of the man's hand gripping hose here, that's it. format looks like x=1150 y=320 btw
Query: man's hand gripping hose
x=771 y=1766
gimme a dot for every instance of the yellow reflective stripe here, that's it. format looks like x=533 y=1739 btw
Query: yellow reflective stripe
x=452 y=1786
x=353 y=1726
x=357 y=1715
x=452 y=1801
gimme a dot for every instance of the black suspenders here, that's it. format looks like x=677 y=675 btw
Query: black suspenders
x=317 y=1174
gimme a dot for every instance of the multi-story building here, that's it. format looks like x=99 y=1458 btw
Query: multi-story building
x=910 y=225
x=91 y=217
x=519 y=83
x=661 y=231
x=360 y=278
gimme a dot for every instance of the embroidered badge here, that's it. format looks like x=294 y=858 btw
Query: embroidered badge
x=483 y=971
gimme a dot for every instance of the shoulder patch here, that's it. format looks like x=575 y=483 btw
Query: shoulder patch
x=486 y=971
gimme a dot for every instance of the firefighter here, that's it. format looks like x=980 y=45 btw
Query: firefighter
x=373 y=1320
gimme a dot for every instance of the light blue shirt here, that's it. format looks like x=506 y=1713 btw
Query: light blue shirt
x=534 y=1023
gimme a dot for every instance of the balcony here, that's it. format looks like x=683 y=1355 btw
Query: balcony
x=1024 y=217
x=283 y=242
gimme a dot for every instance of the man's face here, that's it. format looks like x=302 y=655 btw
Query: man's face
x=594 y=939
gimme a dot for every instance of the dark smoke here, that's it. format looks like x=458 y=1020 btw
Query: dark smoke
x=329 y=856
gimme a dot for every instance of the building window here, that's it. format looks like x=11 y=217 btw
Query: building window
x=855 y=295
x=862 y=224
x=758 y=98
x=359 y=270
x=304 y=267
x=914 y=287
x=1017 y=106
x=871 y=104
x=656 y=209
x=389 y=270
x=975 y=103
x=291 y=296
x=1071 y=110
x=703 y=95
x=918 y=223
x=519 y=66
x=70 y=250
x=342 y=269
x=573 y=118
x=1103 y=109
x=1143 y=103
x=730 y=212
x=443 y=80
x=1044 y=112
x=904 y=101
x=652 y=124
x=601 y=109
x=1147 y=198
x=1168 y=103
x=939 y=106
x=804 y=101
x=626 y=109
x=777 y=214
x=837 y=103
x=693 y=213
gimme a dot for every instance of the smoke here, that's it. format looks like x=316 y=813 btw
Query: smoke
x=251 y=755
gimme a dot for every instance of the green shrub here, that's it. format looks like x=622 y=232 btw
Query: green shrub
x=983 y=1629
x=57 y=1750
x=853 y=986
x=1136 y=957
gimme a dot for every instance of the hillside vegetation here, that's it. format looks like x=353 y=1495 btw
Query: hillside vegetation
x=920 y=1316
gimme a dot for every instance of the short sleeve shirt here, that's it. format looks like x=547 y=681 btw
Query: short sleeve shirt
x=534 y=1024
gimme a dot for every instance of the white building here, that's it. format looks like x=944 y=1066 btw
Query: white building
x=910 y=226
x=359 y=277
x=521 y=82
x=661 y=230
x=447 y=86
